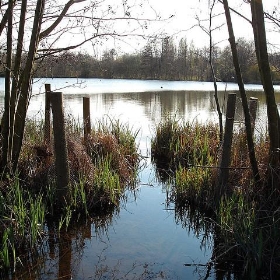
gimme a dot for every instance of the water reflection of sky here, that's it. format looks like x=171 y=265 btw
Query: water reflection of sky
x=145 y=235
x=94 y=86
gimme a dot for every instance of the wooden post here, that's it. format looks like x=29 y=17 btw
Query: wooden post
x=86 y=116
x=60 y=147
x=253 y=106
x=226 y=145
x=47 y=128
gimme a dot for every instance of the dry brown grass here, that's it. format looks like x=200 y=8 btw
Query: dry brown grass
x=102 y=145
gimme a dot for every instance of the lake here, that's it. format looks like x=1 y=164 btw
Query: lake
x=145 y=238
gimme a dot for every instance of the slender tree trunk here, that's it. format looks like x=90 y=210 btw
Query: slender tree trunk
x=16 y=73
x=6 y=117
x=220 y=115
x=248 y=126
x=265 y=73
x=25 y=83
x=18 y=57
x=4 y=21
x=17 y=98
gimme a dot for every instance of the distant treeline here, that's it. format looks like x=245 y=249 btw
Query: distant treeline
x=164 y=60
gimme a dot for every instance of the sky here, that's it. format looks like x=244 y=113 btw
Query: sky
x=175 y=18
x=183 y=21
x=144 y=18
x=186 y=11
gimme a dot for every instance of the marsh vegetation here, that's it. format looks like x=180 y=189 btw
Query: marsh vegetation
x=101 y=169
x=245 y=218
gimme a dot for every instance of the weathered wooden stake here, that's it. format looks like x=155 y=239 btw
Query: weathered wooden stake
x=253 y=106
x=60 y=147
x=226 y=145
x=86 y=116
x=47 y=128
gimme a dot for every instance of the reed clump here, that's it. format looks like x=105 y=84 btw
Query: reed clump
x=177 y=144
x=246 y=215
x=102 y=167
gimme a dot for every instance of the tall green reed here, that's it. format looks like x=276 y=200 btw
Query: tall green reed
x=22 y=217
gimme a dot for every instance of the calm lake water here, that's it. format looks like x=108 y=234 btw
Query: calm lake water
x=145 y=239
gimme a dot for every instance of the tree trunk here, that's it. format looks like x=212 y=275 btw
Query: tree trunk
x=17 y=98
x=25 y=84
x=266 y=78
x=218 y=107
x=248 y=127
x=16 y=74
x=6 y=158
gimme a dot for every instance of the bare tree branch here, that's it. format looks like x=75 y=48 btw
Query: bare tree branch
x=5 y=19
x=239 y=14
x=52 y=51
x=46 y=32
x=275 y=20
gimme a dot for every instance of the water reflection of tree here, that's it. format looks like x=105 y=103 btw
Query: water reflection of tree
x=188 y=105
x=61 y=250
x=194 y=221
x=222 y=263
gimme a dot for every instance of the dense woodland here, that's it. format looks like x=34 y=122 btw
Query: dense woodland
x=160 y=60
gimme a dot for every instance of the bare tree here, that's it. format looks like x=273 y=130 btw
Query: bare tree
x=266 y=78
x=219 y=111
x=242 y=91
x=53 y=27
x=209 y=31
